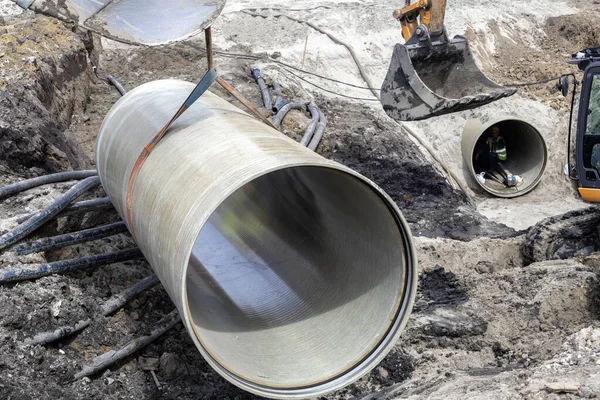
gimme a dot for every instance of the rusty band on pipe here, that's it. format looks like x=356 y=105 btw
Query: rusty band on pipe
x=207 y=80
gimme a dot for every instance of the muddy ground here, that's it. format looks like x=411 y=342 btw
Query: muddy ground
x=500 y=313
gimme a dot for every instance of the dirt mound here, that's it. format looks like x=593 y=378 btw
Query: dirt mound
x=509 y=322
x=44 y=83
x=516 y=61
x=574 y=32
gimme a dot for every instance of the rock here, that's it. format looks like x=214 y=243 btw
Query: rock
x=55 y=308
x=109 y=381
x=383 y=373
x=453 y=323
x=500 y=349
x=485 y=267
x=441 y=288
x=563 y=387
x=171 y=366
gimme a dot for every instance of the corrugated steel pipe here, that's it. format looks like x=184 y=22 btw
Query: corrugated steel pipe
x=527 y=154
x=294 y=275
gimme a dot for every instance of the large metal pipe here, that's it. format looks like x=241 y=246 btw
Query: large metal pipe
x=526 y=150
x=294 y=275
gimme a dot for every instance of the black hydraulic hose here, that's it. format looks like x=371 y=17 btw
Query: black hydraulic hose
x=263 y=88
x=44 y=180
x=314 y=112
x=278 y=118
x=534 y=83
x=316 y=139
x=59 y=333
x=116 y=302
x=70 y=239
x=279 y=105
x=26 y=272
x=106 y=360
x=110 y=79
x=78 y=208
x=111 y=306
x=116 y=84
x=279 y=102
x=47 y=213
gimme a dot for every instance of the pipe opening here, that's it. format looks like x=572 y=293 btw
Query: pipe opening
x=298 y=278
x=526 y=155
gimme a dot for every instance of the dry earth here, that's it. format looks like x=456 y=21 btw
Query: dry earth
x=506 y=308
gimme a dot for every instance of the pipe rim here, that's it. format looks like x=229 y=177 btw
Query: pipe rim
x=375 y=355
x=485 y=126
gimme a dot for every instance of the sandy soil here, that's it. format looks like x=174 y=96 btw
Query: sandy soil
x=489 y=25
x=486 y=323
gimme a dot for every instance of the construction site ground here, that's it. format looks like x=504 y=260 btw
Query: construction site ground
x=505 y=308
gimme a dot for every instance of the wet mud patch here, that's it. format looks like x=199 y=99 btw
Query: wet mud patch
x=439 y=288
x=376 y=147
x=397 y=367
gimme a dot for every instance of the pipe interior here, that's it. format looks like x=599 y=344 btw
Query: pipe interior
x=526 y=155
x=296 y=277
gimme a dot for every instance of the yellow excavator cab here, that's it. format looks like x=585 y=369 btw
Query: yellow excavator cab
x=586 y=170
x=429 y=74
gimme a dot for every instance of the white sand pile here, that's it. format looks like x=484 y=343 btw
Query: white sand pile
x=371 y=31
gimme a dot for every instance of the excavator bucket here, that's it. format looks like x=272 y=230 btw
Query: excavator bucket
x=149 y=22
x=433 y=76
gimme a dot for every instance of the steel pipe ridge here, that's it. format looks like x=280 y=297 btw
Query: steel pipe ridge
x=526 y=149
x=293 y=274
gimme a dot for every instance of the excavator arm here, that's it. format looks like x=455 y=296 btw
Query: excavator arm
x=431 y=14
x=429 y=74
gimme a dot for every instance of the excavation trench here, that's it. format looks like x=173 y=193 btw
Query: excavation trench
x=527 y=154
x=294 y=275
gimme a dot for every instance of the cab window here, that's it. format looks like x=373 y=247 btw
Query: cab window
x=593 y=118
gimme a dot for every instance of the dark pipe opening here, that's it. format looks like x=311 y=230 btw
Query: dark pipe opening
x=526 y=156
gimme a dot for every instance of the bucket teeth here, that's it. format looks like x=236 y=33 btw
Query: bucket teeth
x=441 y=78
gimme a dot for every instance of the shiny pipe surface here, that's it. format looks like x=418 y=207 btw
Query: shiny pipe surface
x=294 y=275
